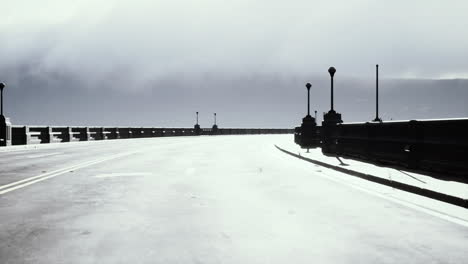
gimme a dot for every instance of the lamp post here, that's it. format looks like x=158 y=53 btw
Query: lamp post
x=197 y=127
x=308 y=85
x=2 y=85
x=315 y=115
x=330 y=120
x=214 y=130
x=5 y=125
x=377 y=119
x=332 y=71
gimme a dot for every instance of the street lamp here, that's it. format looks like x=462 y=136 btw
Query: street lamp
x=315 y=115
x=2 y=85
x=332 y=117
x=332 y=71
x=214 y=130
x=377 y=119
x=308 y=85
x=197 y=127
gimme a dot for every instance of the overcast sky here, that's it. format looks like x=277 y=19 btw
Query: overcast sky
x=130 y=46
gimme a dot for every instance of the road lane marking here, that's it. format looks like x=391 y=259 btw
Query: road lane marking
x=123 y=174
x=43 y=155
x=392 y=198
x=31 y=180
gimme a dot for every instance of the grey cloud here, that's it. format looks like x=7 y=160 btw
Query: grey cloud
x=239 y=56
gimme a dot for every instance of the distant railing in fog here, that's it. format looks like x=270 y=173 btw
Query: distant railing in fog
x=25 y=135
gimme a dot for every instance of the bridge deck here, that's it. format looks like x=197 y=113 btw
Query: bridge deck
x=225 y=199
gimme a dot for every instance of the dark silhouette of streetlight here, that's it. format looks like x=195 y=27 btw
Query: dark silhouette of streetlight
x=332 y=117
x=306 y=134
x=197 y=127
x=214 y=130
x=377 y=119
x=332 y=71
x=308 y=85
x=2 y=85
x=330 y=120
x=315 y=115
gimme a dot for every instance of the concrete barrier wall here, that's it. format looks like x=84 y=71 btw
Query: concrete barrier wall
x=25 y=135
x=432 y=146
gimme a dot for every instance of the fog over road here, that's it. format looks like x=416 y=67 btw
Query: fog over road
x=220 y=199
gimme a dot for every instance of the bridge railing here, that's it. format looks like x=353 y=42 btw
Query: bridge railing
x=438 y=146
x=25 y=135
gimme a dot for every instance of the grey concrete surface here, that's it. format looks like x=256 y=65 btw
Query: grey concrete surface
x=223 y=199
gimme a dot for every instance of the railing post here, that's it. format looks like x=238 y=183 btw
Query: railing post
x=67 y=135
x=48 y=137
x=5 y=125
x=5 y=131
x=87 y=133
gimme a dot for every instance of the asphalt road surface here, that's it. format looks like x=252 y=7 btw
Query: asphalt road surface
x=222 y=199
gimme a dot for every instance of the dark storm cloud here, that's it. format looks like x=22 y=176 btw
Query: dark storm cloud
x=161 y=60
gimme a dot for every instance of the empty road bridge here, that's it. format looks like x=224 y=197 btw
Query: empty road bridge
x=209 y=199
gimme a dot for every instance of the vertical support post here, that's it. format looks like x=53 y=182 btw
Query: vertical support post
x=377 y=119
x=2 y=85
x=197 y=127
x=315 y=115
x=377 y=91
x=308 y=85
x=332 y=71
x=5 y=125
x=214 y=129
x=329 y=123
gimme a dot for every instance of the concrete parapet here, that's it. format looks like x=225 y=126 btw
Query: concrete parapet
x=5 y=131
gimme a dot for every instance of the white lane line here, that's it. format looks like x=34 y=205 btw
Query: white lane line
x=31 y=180
x=389 y=197
x=43 y=175
x=417 y=207
x=123 y=174
x=43 y=155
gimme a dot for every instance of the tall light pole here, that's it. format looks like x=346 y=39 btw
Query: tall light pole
x=315 y=115
x=308 y=85
x=197 y=127
x=332 y=117
x=2 y=85
x=332 y=71
x=377 y=119
x=214 y=130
